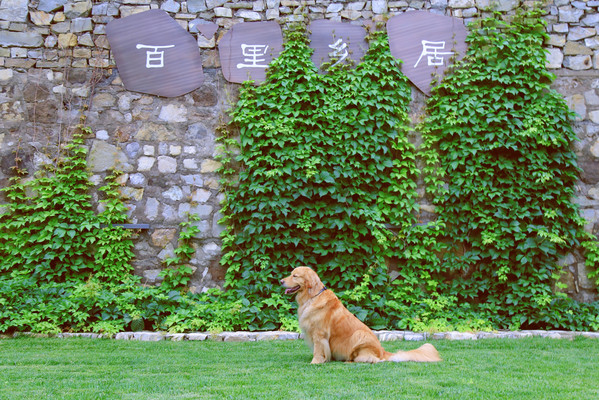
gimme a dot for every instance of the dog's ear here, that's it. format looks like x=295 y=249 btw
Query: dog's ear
x=313 y=283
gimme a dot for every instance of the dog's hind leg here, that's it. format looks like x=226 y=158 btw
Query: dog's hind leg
x=367 y=358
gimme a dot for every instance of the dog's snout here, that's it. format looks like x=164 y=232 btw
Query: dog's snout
x=282 y=281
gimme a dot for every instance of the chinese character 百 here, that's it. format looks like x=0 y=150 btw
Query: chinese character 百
x=251 y=52
x=154 y=58
x=340 y=51
x=430 y=50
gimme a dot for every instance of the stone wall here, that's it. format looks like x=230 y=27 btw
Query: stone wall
x=56 y=65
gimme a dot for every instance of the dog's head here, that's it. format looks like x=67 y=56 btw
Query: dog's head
x=303 y=281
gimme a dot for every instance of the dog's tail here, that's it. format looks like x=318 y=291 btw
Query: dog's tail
x=425 y=353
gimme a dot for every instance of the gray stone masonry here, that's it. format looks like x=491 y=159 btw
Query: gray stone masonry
x=55 y=64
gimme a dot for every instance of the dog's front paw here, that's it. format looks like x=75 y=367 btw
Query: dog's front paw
x=318 y=360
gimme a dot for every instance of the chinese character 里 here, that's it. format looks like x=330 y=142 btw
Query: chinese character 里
x=252 y=54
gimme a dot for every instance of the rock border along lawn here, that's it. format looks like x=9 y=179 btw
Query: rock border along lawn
x=384 y=336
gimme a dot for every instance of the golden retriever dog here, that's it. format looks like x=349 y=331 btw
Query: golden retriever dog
x=333 y=332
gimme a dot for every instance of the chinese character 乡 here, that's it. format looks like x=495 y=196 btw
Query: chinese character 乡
x=252 y=52
x=430 y=50
x=154 y=57
x=340 y=51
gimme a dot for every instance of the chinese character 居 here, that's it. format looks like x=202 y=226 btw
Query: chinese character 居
x=430 y=50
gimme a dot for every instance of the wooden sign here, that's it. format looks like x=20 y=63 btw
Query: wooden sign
x=426 y=43
x=154 y=54
x=247 y=49
x=336 y=43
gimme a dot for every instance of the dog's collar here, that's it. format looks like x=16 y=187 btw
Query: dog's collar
x=321 y=290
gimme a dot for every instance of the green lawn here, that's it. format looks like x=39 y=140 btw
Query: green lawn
x=108 y=369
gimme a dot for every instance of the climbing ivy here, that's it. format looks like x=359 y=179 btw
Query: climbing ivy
x=177 y=273
x=49 y=231
x=502 y=172
x=325 y=165
x=327 y=168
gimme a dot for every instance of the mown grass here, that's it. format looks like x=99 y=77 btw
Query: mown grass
x=107 y=369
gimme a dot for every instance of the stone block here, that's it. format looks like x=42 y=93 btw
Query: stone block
x=145 y=163
x=200 y=195
x=66 y=40
x=79 y=25
x=169 y=250
x=575 y=49
x=104 y=156
x=577 y=104
x=276 y=335
x=583 y=277
x=506 y=5
x=248 y=15
x=210 y=4
x=50 y=5
x=40 y=18
x=578 y=63
x=161 y=237
x=174 y=193
x=148 y=336
x=334 y=8
x=130 y=10
x=461 y=3
x=415 y=336
x=196 y=6
x=14 y=10
x=210 y=166
x=594 y=116
x=175 y=337
x=579 y=32
x=20 y=39
x=77 y=9
x=167 y=165
x=379 y=6
x=173 y=113
x=170 y=6
x=223 y=12
x=5 y=76
x=194 y=180
x=152 y=209
x=556 y=40
x=154 y=132
x=569 y=14
x=196 y=336
x=190 y=163
x=555 y=57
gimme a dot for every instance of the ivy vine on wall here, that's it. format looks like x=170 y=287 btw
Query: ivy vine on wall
x=502 y=172
x=326 y=164
x=49 y=230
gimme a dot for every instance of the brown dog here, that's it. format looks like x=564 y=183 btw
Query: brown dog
x=333 y=332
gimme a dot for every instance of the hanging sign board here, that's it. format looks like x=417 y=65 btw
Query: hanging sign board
x=247 y=49
x=336 y=43
x=154 y=54
x=426 y=43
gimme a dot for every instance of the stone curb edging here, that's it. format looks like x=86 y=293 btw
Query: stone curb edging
x=384 y=336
